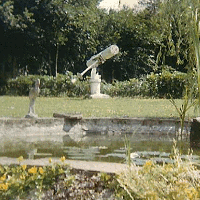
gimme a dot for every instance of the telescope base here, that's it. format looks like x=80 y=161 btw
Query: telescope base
x=99 y=96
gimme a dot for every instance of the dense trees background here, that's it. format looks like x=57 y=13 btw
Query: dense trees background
x=47 y=37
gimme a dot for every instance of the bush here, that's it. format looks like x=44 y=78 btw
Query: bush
x=153 y=85
x=165 y=83
x=53 y=181
x=19 y=86
x=179 y=180
x=131 y=88
x=17 y=181
x=49 y=86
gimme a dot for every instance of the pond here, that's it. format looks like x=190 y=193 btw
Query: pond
x=102 y=149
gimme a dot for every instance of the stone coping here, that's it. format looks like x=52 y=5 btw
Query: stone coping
x=60 y=119
x=54 y=122
x=63 y=116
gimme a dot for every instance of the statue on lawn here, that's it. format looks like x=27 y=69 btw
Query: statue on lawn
x=33 y=94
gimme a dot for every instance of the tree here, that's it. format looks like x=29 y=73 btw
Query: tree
x=173 y=38
x=130 y=30
x=55 y=36
x=14 y=25
x=36 y=34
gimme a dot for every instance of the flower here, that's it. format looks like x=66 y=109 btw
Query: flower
x=41 y=170
x=62 y=158
x=50 y=160
x=3 y=186
x=191 y=193
x=24 y=167
x=148 y=164
x=32 y=170
x=22 y=177
x=3 y=178
x=20 y=158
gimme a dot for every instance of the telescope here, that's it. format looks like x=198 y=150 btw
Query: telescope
x=92 y=64
x=104 y=55
x=98 y=59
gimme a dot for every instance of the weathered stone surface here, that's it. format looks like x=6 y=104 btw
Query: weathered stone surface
x=85 y=129
x=139 y=128
x=195 y=133
x=18 y=130
x=75 y=164
x=68 y=116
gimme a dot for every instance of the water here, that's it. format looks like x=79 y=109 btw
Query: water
x=102 y=149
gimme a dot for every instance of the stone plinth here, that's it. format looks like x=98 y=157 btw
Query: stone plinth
x=95 y=84
x=195 y=133
x=100 y=96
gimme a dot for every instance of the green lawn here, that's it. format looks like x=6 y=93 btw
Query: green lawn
x=112 y=107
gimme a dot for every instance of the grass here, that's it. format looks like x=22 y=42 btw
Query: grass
x=112 y=107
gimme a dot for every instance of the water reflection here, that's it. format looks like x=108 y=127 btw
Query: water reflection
x=103 y=150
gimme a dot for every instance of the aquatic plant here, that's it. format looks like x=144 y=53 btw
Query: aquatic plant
x=187 y=103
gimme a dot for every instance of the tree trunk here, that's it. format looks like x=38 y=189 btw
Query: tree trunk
x=56 y=67
x=50 y=71
x=14 y=72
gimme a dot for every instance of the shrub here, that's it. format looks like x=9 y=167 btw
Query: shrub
x=49 y=86
x=18 y=181
x=179 y=180
x=165 y=83
x=19 y=86
x=131 y=88
x=153 y=85
x=54 y=181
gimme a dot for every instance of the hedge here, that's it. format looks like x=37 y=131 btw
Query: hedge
x=152 y=86
x=49 y=86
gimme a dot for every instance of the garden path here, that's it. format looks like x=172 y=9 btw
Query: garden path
x=74 y=164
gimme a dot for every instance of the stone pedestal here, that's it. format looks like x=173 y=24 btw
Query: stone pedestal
x=195 y=133
x=95 y=84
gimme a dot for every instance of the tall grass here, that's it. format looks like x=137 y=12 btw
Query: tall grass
x=178 y=180
x=187 y=103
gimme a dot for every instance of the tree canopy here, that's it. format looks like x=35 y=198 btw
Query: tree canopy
x=56 y=36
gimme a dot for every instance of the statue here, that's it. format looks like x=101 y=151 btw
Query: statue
x=34 y=92
x=92 y=64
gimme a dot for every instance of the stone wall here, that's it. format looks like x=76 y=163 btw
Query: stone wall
x=26 y=134
x=138 y=128
x=15 y=130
